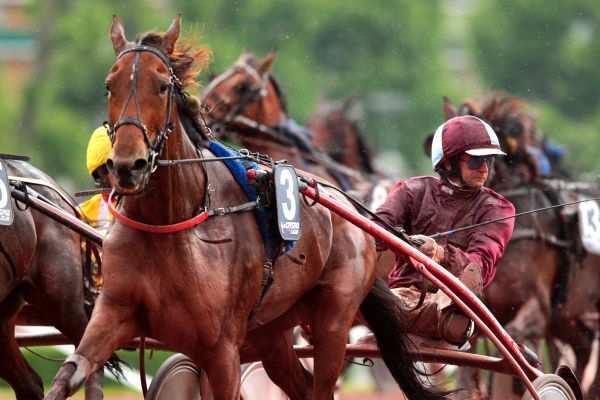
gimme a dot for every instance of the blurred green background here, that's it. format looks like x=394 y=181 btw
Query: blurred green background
x=400 y=57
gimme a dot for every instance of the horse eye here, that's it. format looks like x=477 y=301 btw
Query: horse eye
x=242 y=88
x=164 y=86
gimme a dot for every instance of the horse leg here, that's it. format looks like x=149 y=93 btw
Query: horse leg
x=281 y=363
x=59 y=299
x=594 y=389
x=222 y=366
x=14 y=369
x=530 y=321
x=111 y=326
x=333 y=314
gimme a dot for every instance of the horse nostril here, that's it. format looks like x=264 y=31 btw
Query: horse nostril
x=140 y=164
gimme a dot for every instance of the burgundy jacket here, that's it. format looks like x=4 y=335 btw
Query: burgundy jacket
x=428 y=205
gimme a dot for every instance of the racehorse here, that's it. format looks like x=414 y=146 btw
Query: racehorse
x=523 y=294
x=336 y=131
x=41 y=266
x=199 y=291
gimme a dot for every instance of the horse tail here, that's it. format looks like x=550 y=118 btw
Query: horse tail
x=382 y=312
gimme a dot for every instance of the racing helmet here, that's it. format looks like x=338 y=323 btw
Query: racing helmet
x=463 y=134
x=98 y=149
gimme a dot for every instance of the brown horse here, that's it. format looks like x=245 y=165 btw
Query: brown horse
x=199 y=290
x=41 y=266
x=336 y=130
x=522 y=296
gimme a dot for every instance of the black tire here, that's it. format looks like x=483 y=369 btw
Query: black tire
x=178 y=378
x=551 y=387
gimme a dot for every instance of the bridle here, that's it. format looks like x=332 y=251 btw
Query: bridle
x=175 y=87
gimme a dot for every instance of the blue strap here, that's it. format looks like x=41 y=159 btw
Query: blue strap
x=265 y=219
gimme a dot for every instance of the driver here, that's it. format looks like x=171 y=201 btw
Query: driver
x=462 y=153
x=95 y=209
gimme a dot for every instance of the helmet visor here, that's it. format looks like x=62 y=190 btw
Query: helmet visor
x=485 y=151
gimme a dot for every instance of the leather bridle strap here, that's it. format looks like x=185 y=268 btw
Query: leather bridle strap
x=175 y=88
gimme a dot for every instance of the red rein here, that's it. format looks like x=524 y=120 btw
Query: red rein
x=140 y=226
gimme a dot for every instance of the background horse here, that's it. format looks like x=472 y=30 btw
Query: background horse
x=199 y=290
x=41 y=266
x=336 y=130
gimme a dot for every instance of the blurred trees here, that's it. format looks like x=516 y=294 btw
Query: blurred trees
x=391 y=54
x=547 y=52
x=64 y=100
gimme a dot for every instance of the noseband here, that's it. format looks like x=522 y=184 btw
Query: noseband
x=175 y=87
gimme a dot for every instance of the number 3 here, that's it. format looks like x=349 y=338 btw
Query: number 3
x=289 y=207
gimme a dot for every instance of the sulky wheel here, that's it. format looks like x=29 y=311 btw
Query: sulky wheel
x=551 y=387
x=176 y=379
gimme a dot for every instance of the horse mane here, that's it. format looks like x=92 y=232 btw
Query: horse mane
x=366 y=155
x=279 y=92
x=505 y=113
x=187 y=62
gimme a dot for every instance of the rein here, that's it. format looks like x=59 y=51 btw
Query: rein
x=465 y=228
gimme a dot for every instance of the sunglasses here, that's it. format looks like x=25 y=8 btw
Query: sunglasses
x=476 y=162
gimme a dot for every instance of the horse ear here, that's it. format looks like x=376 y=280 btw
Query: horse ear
x=171 y=36
x=264 y=65
x=117 y=35
x=449 y=110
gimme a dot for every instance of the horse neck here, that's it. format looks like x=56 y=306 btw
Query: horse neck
x=174 y=193
x=277 y=151
x=269 y=112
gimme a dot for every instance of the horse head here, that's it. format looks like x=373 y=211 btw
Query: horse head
x=336 y=128
x=144 y=89
x=513 y=126
x=245 y=93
